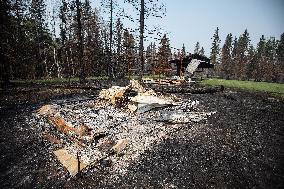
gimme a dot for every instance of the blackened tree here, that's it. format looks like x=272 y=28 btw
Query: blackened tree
x=129 y=53
x=80 y=41
x=183 y=52
x=146 y=9
x=118 y=63
x=40 y=32
x=150 y=57
x=5 y=29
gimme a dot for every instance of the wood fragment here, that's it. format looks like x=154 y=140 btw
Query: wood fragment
x=51 y=139
x=61 y=125
x=67 y=129
x=71 y=163
x=120 y=146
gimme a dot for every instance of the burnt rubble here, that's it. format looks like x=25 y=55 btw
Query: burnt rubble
x=240 y=146
x=117 y=126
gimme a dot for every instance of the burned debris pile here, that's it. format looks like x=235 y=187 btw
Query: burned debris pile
x=117 y=126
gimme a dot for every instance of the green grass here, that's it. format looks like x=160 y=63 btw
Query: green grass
x=274 y=88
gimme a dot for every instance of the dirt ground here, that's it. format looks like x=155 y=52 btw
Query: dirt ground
x=241 y=146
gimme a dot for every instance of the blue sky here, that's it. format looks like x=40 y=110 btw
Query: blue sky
x=189 y=21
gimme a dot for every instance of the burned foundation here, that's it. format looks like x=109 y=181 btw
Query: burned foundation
x=117 y=127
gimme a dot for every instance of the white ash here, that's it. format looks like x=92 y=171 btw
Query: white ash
x=141 y=130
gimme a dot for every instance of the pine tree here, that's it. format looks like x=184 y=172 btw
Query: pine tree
x=183 y=52
x=38 y=14
x=251 y=65
x=241 y=55
x=90 y=38
x=197 y=47
x=87 y=21
x=148 y=57
x=202 y=52
x=80 y=42
x=226 y=58
x=55 y=45
x=215 y=49
x=63 y=21
x=260 y=59
x=19 y=10
x=141 y=36
x=270 y=56
x=280 y=48
x=151 y=57
x=280 y=59
x=110 y=6
x=118 y=41
x=164 y=53
x=5 y=29
x=146 y=9
x=234 y=50
x=63 y=57
x=97 y=44
x=129 y=52
x=234 y=58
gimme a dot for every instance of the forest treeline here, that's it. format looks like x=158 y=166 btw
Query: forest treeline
x=75 y=40
x=239 y=59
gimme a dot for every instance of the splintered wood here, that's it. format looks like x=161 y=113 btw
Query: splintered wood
x=76 y=134
x=69 y=161
x=61 y=125
x=112 y=93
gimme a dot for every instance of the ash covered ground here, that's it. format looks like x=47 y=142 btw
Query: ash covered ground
x=240 y=146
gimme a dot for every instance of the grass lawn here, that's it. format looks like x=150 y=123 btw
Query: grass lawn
x=275 y=88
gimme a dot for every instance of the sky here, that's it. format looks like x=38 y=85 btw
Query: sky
x=189 y=21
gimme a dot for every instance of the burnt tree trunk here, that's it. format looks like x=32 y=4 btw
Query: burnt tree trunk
x=80 y=43
x=110 y=41
x=141 y=44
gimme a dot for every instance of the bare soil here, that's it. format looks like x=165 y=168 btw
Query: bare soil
x=241 y=146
